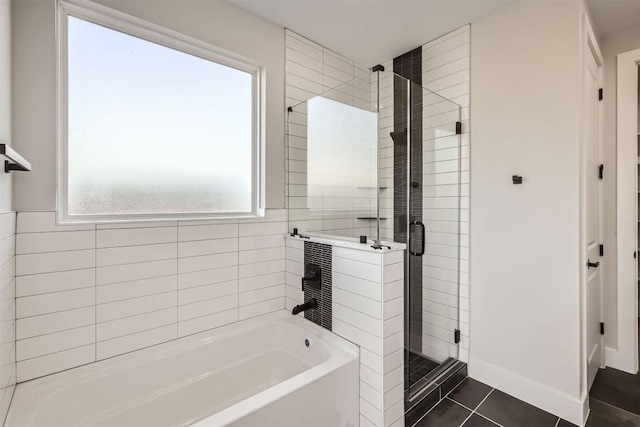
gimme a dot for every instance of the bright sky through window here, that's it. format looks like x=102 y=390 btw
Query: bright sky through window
x=152 y=130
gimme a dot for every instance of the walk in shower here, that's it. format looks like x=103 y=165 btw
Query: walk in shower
x=380 y=156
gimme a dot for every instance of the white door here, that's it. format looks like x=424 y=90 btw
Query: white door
x=593 y=267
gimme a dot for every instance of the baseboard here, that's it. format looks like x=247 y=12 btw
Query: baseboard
x=613 y=360
x=611 y=357
x=560 y=404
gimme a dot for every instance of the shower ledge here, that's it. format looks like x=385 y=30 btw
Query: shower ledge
x=348 y=242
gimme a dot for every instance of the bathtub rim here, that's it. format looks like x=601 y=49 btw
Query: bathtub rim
x=341 y=352
x=349 y=353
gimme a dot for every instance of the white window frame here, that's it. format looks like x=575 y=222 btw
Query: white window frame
x=116 y=20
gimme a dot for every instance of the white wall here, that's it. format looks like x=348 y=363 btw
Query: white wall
x=611 y=46
x=525 y=290
x=215 y=22
x=7 y=224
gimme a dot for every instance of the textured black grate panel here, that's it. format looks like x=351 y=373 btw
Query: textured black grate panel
x=319 y=254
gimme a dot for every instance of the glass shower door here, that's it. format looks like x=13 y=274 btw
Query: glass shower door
x=428 y=217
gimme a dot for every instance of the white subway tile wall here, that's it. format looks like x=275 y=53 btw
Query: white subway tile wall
x=328 y=208
x=368 y=311
x=445 y=70
x=86 y=292
x=393 y=333
x=7 y=310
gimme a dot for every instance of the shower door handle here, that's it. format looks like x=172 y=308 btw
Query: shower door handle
x=422 y=250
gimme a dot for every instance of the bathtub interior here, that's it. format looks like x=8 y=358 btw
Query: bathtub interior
x=178 y=383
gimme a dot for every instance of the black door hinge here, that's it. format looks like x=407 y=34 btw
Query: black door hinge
x=456 y=336
x=458 y=128
x=601 y=328
x=601 y=172
x=601 y=250
x=600 y=94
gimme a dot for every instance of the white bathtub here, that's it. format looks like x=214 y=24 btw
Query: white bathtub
x=257 y=372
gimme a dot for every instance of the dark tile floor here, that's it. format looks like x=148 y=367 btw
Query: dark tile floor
x=614 y=398
x=474 y=404
x=618 y=389
x=419 y=367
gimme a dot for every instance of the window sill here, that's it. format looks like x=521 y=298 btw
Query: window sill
x=158 y=219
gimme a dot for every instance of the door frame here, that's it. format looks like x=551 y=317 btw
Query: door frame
x=589 y=45
x=625 y=357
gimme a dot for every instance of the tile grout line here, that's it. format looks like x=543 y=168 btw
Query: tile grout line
x=56 y=332
x=616 y=407
x=54 y=352
x=130 y=316
x=440 y=400
x=473 y=411
x=479 y=414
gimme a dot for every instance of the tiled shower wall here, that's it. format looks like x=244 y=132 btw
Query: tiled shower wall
x=7 y=310
x=445 y=71
x=319 y=254
x=312 y=70
x=87 y=292
x=409 y=66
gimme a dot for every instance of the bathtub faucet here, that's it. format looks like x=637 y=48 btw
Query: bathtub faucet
x=312 y=303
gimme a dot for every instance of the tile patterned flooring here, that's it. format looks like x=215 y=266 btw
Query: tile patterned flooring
x=419 y=366
x=614 y=400
x=618 y=389
x=474 y=404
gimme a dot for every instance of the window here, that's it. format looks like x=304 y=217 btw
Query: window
x=153 y=125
